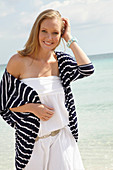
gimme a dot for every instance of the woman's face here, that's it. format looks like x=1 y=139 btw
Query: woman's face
x=49 y=34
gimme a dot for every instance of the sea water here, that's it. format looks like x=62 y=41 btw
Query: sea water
x=94 y=104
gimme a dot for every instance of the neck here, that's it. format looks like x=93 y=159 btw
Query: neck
x=44 y=55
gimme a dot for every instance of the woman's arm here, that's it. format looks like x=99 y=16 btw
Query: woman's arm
x=81 y=57
x=42 y=111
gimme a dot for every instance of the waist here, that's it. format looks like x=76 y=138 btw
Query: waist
x=54 y=133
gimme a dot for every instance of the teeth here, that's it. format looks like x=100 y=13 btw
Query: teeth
x=48 y=43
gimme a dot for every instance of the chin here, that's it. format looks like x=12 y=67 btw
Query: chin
x=48 y=48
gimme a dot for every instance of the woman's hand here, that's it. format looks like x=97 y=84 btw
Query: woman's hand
x=80 y=56
x=42 y=111
x=67 y=33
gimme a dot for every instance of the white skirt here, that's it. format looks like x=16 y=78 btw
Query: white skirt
x=58 y=152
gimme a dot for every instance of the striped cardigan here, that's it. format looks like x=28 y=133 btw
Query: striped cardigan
x=14 y=93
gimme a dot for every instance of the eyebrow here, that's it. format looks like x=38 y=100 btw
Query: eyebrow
x=43 y=28
x=47 y=28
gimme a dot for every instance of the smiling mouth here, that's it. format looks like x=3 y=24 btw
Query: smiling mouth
x=47 y=43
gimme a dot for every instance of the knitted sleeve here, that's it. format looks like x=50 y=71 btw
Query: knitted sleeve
x=14 y=93
x=70 y=71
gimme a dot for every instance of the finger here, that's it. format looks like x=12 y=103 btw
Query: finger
x=65 y=20
x=50 y=108
x=47 y=115
x=45 y=118
x=50 y=112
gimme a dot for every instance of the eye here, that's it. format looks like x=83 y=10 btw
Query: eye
x=44 y=31
x=55 y=33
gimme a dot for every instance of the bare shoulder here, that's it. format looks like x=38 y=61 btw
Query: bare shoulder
x=14 y=65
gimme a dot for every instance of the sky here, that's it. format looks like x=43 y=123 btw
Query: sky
x=91 y=23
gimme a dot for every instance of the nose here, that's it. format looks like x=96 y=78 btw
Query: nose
x=49 y=36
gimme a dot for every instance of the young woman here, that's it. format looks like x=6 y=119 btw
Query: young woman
x=36 y=97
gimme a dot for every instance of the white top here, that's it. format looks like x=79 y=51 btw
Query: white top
x=51 y=93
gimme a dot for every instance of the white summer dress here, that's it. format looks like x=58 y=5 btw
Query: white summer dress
x=59 y=152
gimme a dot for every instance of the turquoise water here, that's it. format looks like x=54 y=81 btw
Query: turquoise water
x=94 y=101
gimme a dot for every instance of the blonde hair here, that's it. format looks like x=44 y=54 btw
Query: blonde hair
x=32 y=43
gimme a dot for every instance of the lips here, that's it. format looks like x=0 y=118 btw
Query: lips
x=47 y=43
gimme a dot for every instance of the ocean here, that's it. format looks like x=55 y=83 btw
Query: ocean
x=94 y=104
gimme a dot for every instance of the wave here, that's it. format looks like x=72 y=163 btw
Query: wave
x=101 y=56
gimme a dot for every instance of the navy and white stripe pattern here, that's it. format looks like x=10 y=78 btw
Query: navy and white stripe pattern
x=14 y=93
